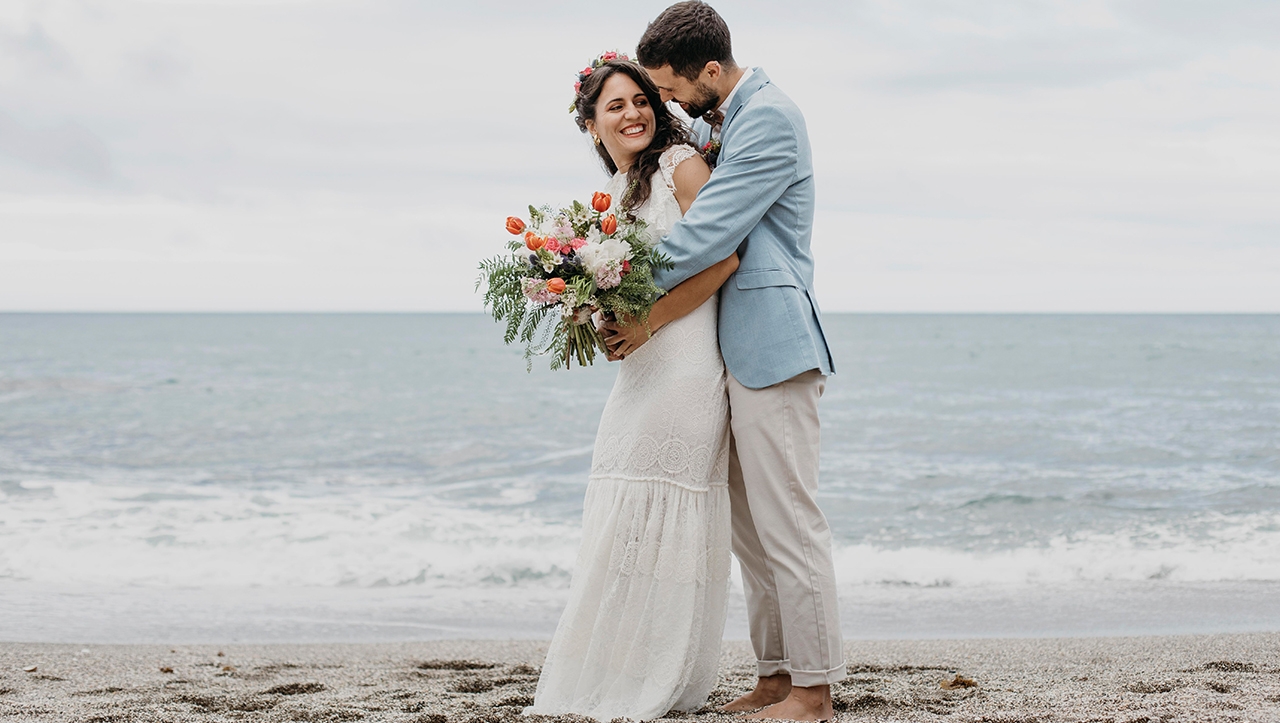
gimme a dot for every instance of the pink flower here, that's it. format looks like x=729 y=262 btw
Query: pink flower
x=553 y=245
x=536 y=290
x=577 y=86
x=577 y=243
x=610 y=55
x=609 y=275
x=585 y=71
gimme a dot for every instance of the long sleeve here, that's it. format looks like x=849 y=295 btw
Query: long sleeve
x=757 y=164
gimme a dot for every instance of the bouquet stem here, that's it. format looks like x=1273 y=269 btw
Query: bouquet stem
x=584 y=339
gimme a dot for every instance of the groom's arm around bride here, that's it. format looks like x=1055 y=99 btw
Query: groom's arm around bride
x=759 y=203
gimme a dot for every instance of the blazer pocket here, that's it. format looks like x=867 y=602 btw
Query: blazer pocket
x=761 y=278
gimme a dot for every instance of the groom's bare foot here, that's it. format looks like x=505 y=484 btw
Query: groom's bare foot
x=803 y=704
x=770 y=690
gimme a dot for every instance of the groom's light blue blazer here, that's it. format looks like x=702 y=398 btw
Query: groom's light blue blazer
x=758 y=202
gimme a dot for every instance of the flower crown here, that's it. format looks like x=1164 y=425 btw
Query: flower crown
x=587 y=71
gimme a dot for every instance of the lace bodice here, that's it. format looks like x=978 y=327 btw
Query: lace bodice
x=661 y=211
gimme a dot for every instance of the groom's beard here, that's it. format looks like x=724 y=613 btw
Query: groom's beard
x=706 y=99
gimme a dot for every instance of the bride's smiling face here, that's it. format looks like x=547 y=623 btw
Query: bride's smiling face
x=624 y=120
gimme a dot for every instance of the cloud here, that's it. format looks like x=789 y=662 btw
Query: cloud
x=1226 y=23
x=223 y=154
x=67 y=149
x=161 y=67
x=35 y=51
x=1058 y=60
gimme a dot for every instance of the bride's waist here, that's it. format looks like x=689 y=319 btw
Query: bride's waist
x=686 y=346
x=707 y=315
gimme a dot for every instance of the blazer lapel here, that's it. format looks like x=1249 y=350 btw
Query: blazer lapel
x=701 y=131
x=702 y=137
x=757 y=81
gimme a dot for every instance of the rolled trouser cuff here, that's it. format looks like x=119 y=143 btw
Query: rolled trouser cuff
x=810 y=678
x=769 y=668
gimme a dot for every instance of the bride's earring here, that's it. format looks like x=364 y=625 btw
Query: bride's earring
x=596 y=139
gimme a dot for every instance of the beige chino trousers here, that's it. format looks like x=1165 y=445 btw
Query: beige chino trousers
x=780 y=536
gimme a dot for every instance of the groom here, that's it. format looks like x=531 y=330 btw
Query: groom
x=759 y=203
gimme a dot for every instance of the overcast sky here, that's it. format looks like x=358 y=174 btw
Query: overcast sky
x=1069 y=155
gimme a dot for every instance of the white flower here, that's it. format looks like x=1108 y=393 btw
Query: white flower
x=550 y=261
x=580 y=216
x=594 y=256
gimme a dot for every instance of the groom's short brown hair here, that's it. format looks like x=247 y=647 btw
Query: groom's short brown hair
x=686 y=36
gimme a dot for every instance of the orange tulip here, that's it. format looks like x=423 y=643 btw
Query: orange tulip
x=555 y=286
x=608 y=224
x=533 y=241
x=514 y=225
x=600 y=201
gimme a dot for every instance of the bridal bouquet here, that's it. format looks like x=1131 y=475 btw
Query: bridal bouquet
x=565 y=265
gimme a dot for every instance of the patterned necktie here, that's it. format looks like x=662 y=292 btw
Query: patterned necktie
x=714 y=118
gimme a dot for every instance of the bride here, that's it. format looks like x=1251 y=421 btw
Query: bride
x=641 y=633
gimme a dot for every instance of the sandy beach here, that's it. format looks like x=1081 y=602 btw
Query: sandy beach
x=1101 y=680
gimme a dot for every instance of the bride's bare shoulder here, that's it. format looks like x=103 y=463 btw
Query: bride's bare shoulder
x=691 y=169
x=689 y=175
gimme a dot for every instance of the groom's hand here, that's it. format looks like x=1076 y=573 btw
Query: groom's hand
x=624 y=336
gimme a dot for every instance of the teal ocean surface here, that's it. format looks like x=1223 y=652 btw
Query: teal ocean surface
x=193 y=477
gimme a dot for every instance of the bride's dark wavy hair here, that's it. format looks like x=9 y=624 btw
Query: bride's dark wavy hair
x=668 y=130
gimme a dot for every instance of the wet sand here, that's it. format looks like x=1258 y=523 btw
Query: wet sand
x=1100 y=680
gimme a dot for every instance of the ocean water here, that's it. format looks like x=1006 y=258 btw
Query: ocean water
x=305 y=477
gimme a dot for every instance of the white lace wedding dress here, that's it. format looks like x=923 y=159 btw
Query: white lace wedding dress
x=641 y=633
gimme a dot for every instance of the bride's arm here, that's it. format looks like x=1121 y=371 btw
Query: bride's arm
x=686 y=297
x=689 y=178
